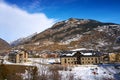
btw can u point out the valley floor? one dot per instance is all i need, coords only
(94, 72)
(78, 72)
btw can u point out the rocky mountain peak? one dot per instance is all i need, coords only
(76, 33)
(81, 21)
(73, 22)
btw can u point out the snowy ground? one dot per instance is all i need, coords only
(94, 72)
(44, 60)
(80, 72)
(86, 72)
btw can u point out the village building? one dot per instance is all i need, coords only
(49, 55)
(84, 57)
(18, 56)
(105, 58)
(3, 57)
(1, 61)
(114, 57)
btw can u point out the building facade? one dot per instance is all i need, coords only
(18, 56)
(69, 60)
(114, 57)
(84, 58)
(90, 60)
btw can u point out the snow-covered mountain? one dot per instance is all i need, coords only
(20, 41)
(77, 33)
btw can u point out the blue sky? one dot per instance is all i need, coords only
(104, 10)
(51, 11)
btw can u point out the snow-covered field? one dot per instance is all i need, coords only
(94, 72)
(85, 72)
(79, 72)
(44, 60)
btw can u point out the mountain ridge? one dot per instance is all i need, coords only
(4, 46)
(76, 33)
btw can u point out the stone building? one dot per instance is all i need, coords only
(18, 56)
(114, 57)
(84, 58)
(68, 60)
(90, 60)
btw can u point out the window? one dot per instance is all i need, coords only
(24, 55)
(82, 62)
(95, 60)
(65, 61)
(91, 58)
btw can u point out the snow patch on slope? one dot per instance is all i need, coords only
(77, 37)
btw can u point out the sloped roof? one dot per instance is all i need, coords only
(82, 53)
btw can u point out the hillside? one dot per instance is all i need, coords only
(76, 33)
(22, 40)
(4, 45)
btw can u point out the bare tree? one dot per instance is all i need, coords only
(54, 73)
